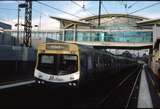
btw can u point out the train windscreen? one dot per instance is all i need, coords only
(58, 64)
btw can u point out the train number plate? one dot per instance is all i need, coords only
(51, 77)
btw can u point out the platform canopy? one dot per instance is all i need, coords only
(118, 45)
(67, 23)
(150, 22)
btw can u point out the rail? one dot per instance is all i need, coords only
(133, 88)
(115, 90)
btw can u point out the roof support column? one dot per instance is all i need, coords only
(154, 34)
(75, 32)
(63, 35)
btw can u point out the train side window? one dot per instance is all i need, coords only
(104, 59)
(90, 66)
(47, 59)
(101, 61)
(112, 60)
(96, 60)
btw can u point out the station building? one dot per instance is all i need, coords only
(4, 25)
(115, 21)
(5, 39)
(130, 22)
(110, 22)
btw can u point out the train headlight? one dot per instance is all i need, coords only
(42, 82)
(39, 82)
(74, 84)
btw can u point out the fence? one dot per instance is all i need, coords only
(9, 37)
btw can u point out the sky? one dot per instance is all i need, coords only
(41, 13)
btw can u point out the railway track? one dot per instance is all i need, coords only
(122, 95)
(125, 93)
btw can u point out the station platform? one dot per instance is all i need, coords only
(149, 91)
(17, 83)
(15, 79)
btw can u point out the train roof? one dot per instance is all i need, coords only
(91, 48)
(70, 43)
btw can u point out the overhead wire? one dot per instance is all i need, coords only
(138, 9)
(8, 9)
(125, 5)
(41, 12)
(105, 8)
(126, 10)
(58, 9)
(38, 11)
(142, 9)
(82, 7)
(130, 6)
(33, 10)
(122, 3)
(145, 8)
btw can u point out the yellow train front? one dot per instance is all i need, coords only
(76, 65)
(57, 63)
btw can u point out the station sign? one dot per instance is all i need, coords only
(56, 47)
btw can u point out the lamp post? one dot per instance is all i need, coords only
(18, 26)
(23, 5)
(99, 14)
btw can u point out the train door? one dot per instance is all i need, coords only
(83, 68)
(112, 65)
(109, 63)
(96, 64)
(90, 66)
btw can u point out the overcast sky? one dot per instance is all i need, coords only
(8, 11)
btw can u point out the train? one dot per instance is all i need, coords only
(77, 65)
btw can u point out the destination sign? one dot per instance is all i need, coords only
(56, 47)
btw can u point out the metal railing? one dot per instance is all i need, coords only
(79, 35)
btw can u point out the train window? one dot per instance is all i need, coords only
(101, 59)
(96, 60)
(47, 59)
(68, 57)
(46, 63)
(106, 60)
(58, 64)
(68, 63)
(90, 66)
